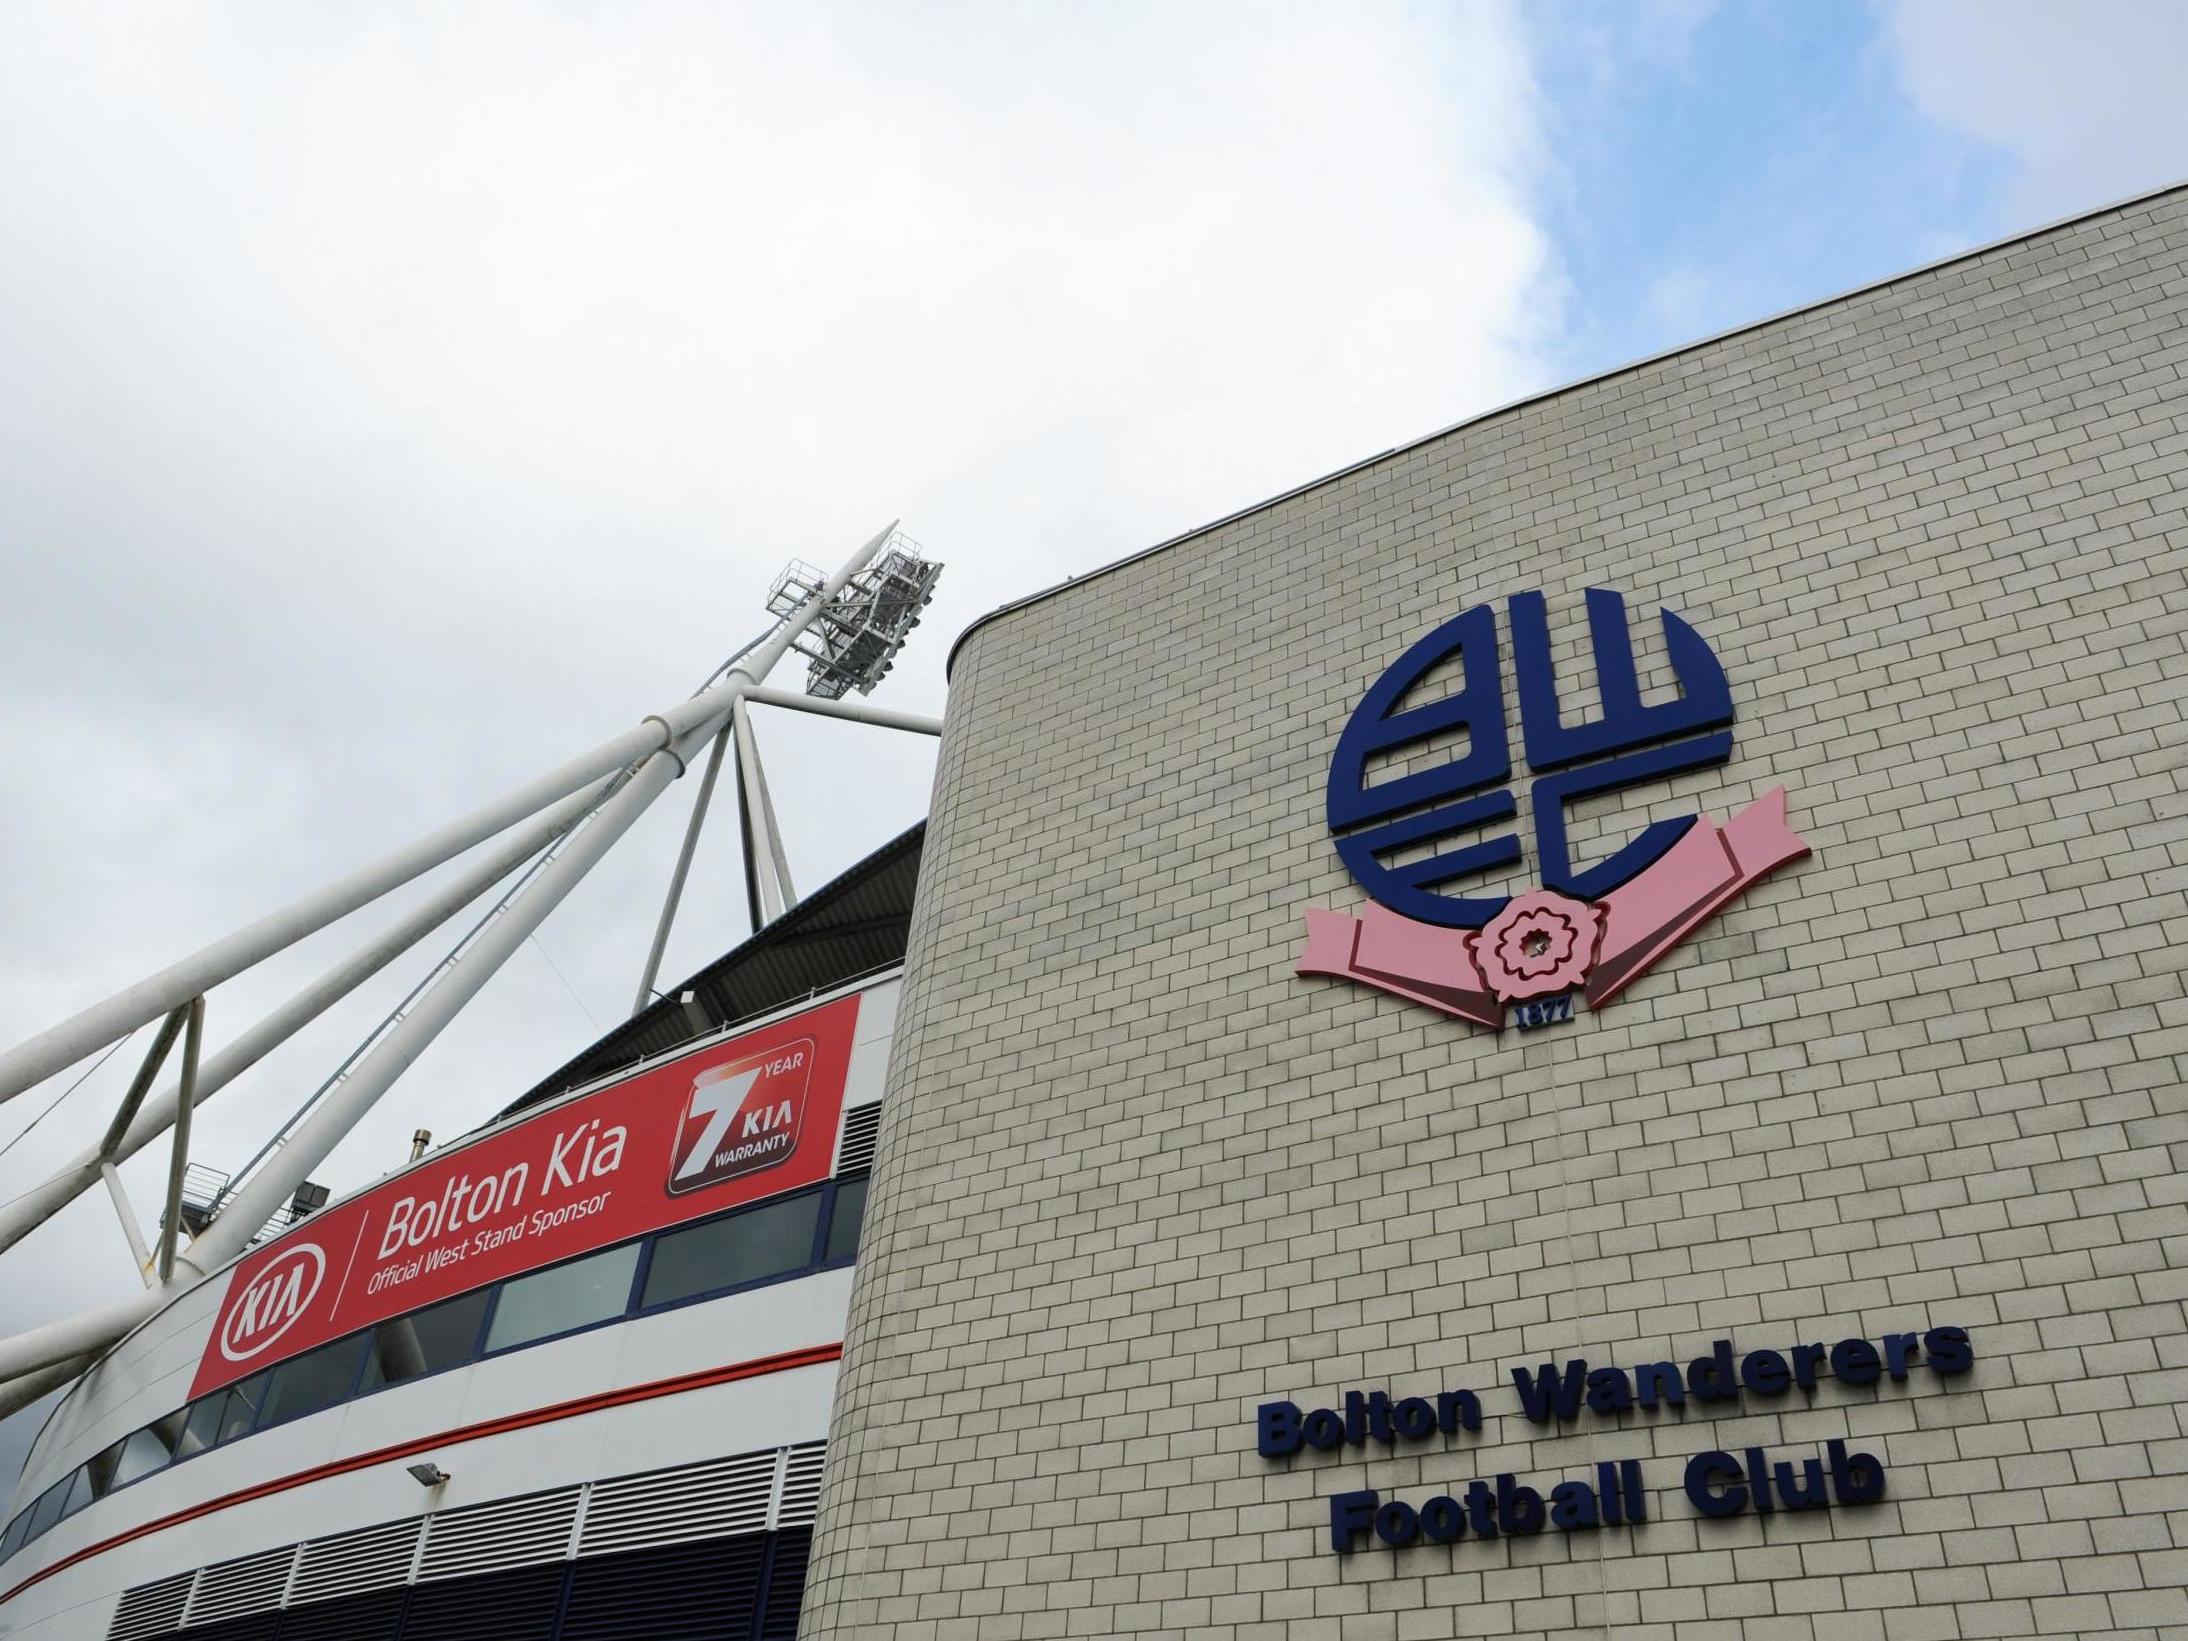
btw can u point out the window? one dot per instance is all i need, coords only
(47, 1510)
(591, 1289)
(432, 1339)
(766, 1242)
(201, 1425)
(144, 1451)
(241, 1411)
(844, 1220)
(101, 1468)
(317, 1379)
(79, 1491)
(744, 1247)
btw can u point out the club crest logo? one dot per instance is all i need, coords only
(1419, 836)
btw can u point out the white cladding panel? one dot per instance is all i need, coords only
(737, 1417)
(149, 1375)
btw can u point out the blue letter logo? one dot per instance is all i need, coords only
(1628, 744)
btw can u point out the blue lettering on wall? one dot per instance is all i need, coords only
(1718, 1483)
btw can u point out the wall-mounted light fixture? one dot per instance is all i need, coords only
(427, 1475)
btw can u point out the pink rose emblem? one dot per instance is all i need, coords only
(1540, 943)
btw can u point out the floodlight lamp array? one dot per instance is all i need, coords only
(852, 644)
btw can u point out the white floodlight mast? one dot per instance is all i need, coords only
(35, 1206)
(30, 1063)
(661, 747)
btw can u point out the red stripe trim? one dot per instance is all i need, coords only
(810, 1356)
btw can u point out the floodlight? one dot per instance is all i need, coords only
(853, 642)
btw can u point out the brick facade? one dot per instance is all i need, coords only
(1138, 1177)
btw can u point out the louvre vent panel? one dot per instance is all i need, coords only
(801, 1485)
(506, 1533)
(376, 1616)
(684, 1592)
(745, 1588)
(514, 1606)
(252, 1584)
(861, 1126)
(671, 1555)
(670, 1506)
(265, 1626)
(371, 1558)
(786, 1585)
(151, 1609)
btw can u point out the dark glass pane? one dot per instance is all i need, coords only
(201, 1424)
(742, 1248)
(17, 1530)
(318, 1378)
(47, 1510)
(843, 1223)
(242, 1409)
(79, 1491)
(147, 1450)
(431, 1340)
(569, 1296)
(101, 1469)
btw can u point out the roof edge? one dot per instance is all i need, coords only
(2019, 236)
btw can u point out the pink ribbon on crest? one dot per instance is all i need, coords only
(1642, 920)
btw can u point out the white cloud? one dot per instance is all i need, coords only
(2085, 98)
(395, 399)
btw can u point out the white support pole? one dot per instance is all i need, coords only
(255, 1203)
(669, 902)
(128, 1216)
(248, 1211)
(748, 850)
(773, 867)
(32, 1061)
(856, 712)
(263, 1194)
(154, 1058)
(186, 1099)
(85, 1333)
(17, 1394)
(32, 1209)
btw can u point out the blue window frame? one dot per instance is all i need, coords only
(440, 1336)
(578, 1293)
(752, 1246)
(719, 1255)
(312, 1382)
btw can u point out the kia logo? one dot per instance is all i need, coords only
(270, 1304)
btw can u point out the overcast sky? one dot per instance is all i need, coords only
(395, 400)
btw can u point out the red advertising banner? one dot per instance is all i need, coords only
(729, 1124)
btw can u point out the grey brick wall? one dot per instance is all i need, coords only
(1138, 1177)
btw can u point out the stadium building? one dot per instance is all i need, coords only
(1576, 1028)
